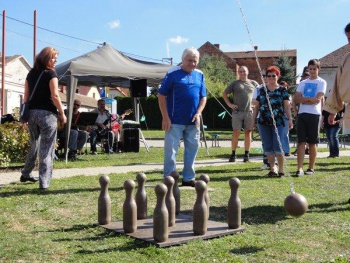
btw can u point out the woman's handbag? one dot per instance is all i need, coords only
(24, 108)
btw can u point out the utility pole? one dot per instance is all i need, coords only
(3, 63)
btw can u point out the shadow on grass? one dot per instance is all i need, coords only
(263, 214)
(329, 207)
(246, 250)
(25, 191)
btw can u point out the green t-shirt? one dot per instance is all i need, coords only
(242, 92)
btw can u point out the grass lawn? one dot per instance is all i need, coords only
(58, 225)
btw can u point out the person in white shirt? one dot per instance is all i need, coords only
(309, 95)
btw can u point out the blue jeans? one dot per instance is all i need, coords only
(190, 135)
(332, 134)
(269, 139)
(285, 137)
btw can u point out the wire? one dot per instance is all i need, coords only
(267, 97)
(76, 38)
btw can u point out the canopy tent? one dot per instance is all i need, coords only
(105, 66)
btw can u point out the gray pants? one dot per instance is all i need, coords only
(42, 127)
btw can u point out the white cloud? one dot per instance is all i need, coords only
(178, 40)
(114, 24)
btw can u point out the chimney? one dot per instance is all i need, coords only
(217, 45)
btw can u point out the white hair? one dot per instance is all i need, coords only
(190, 51)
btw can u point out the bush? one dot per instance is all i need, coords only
(14, 143)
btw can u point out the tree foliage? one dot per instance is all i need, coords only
(217, 75)
(286, 68)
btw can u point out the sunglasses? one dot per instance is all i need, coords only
(271, 76)
(75, 104)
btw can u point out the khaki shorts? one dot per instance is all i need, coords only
(242, 119)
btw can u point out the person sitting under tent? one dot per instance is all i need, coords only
(101, 129)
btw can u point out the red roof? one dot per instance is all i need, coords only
(333, 59)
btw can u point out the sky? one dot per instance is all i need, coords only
(157, 30)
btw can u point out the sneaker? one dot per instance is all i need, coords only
(271, 174)
(310, 171)
(29, 179)
(189, 183)
(281, 175)
(246, 159)
(94, 153)
(232, 158)
(299, 173)
(265, 167)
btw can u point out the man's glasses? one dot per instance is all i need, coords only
(271, 76)
(75, 104)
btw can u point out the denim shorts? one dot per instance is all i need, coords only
(270, 141)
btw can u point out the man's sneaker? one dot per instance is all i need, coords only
(299, 173)
(265, 167)
(246, 159)
(310, 171)
(271, 174)
(232, 158)
(189, 183)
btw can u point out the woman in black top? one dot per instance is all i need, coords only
(45, 107)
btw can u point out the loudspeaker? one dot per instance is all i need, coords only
(130, 140)
(138, 88)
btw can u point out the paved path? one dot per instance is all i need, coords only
(9, 177)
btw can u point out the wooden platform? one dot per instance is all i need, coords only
(179, 234)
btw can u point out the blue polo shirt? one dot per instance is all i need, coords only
(183, 93)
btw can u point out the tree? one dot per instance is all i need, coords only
(217, 75)
(286, 68)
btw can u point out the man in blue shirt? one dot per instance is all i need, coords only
(182, 98)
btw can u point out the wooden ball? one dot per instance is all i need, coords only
(295, 205)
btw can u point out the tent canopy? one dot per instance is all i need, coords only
(105, 66)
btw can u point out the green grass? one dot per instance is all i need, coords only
(58, 226)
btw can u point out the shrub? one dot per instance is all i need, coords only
(14, 142)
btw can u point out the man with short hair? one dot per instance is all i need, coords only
(101, 128)
(242, 91)
(182, 98)
(309, 95)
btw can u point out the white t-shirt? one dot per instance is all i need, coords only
(310, 88)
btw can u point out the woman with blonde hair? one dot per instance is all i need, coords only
(45, 107)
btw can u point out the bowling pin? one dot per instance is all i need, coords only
(176, 191)
(141, 196)
(160, 215)
(234, 205)
(206, 179)
(200, 211)
(129, 208)
(169, 199)
(104, 202)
